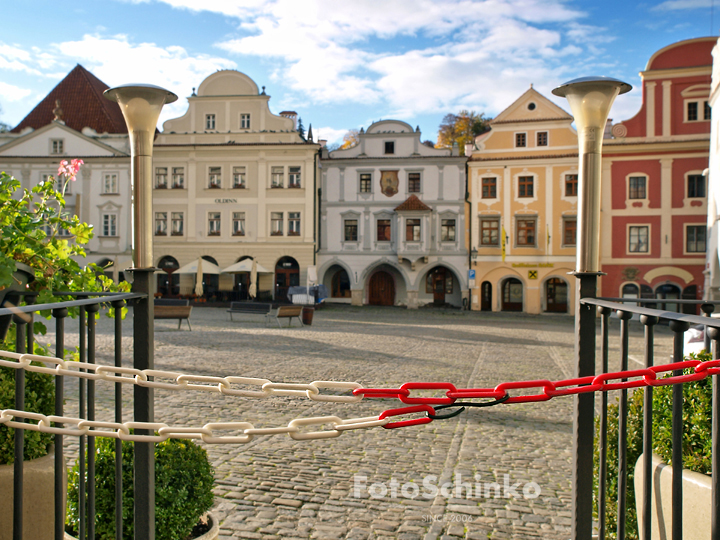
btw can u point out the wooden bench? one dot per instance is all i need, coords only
(252, 308)
(167, 308)
(287, 312)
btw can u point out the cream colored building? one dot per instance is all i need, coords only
(233, 181)
(523, 192)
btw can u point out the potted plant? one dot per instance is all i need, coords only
(183, 491)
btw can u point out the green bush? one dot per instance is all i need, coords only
(39, 398)
(697, 441)
(183, 489)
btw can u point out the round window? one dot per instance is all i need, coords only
(531, 106)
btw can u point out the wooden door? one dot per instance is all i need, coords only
(438, 286)
(556, 295)
(486, 296)
(382, 289)
(512, 299)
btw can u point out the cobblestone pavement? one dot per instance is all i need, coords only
(275, 487)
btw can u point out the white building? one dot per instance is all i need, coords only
(75, 121)
(233, 181)
(712, 264)
(392, 221)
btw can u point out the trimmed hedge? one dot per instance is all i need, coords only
(183, 489)
(697, 441)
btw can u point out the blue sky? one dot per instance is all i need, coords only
(344, 64)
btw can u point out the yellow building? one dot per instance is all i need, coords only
(523, 213)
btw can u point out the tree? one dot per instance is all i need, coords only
(350, 139)
(461, 128)
(301, 128)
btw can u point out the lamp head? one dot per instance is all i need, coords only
(140, 105)
(590, 100)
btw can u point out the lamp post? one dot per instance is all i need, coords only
(141, 105)
(590, 99)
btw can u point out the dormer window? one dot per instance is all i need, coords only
(209, 122)
(389, 147)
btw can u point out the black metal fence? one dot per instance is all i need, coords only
(678, 323)
(87, 305)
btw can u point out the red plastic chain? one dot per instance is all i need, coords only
(636, 378)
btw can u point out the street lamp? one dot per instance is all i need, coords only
(141, 105)
(590, 99)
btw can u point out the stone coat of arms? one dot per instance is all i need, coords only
(389, 183)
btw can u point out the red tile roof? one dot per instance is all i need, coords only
(82, 103)
(413, 203)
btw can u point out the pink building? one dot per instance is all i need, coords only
(654, 190)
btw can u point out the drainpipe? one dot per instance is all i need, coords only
(469, 203)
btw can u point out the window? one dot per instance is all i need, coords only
(109, 225)
(389, 147)
(637, 187)
(542, 138)
(383, 230)
(276, 224)
(571, 185)
(209, 121)
(110, 183)
(520, 140)
(293, 223)
(447, 230)
(525, 186)
(351, 230)
(693, 112)
(489, 188)
(57, 146)
(214, 177)
(526, 232)
(239, 178)
(570, 232)
(414, 182)
(638, 239)
(489, 232)
(160, 223)
(365, 183)
(276, 177)
(696, 186)
(214, 224)
(177, 219)
(161, 176)
(244, 121)
(238, 224)
(294, 177)
(178, 178)
(412, 230)
(695, 238)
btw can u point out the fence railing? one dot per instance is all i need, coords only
(87, 304)
(679, 324)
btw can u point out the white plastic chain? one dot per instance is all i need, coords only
(206, 433)
(180, 381)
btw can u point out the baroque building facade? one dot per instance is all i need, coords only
(75, 121)
(523, 209)
(233, 181)
(392, 221)
(654, 197)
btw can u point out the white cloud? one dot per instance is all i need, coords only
(332, 135)
(116, 60)
(672, 5)
(9, 92)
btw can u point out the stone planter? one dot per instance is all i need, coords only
(212, 534)
(38, 499)
(697, 498)
(24, 274)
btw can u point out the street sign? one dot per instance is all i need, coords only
(471, 274)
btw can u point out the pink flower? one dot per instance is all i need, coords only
(71, 169)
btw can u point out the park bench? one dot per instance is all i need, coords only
(287, 312)
(167, 308)
(252, 308)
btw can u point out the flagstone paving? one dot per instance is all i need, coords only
(369, 483)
